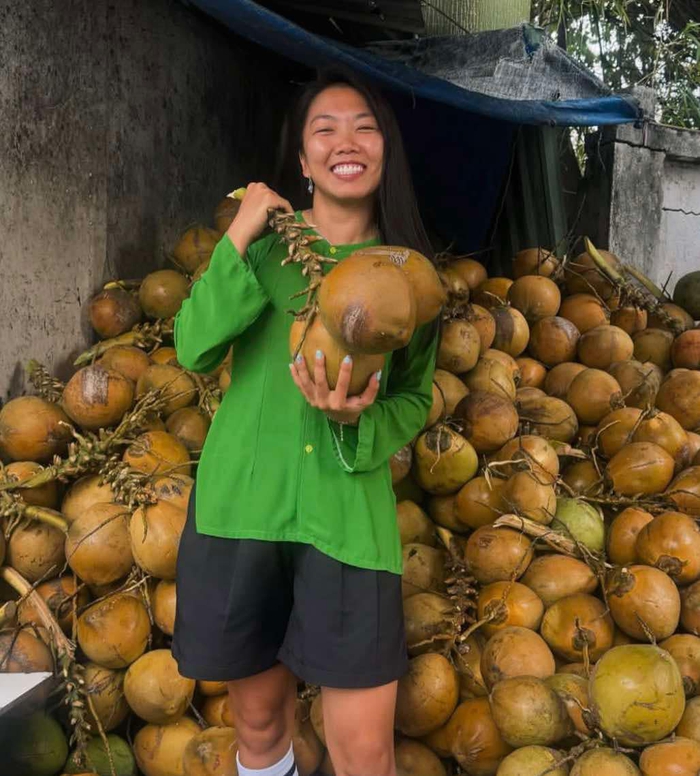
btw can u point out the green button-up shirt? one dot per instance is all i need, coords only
(273, 467)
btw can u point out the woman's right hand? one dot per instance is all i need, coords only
(253, 214)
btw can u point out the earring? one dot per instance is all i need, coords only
(311, 186)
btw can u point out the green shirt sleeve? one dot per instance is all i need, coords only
(222, 304)
(397, 416)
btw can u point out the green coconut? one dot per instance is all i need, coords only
(33, 746)
(581, 521)
(686, 294)
(96, 758)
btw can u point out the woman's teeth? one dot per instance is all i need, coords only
(348, 169)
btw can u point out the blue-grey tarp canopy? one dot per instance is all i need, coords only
(455, 99)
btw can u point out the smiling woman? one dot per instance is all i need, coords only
(290, 562)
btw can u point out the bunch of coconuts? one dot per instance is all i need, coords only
(547, 511)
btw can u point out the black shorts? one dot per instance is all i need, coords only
(244, 605)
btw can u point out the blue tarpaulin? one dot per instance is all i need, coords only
(459, 140)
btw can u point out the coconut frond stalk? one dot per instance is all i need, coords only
(209, 393)
(47, 386)
(130, 487)
(461, 585)
(125, 284)
(91, 450)
(143, 335)
(15, 509)
(298, 252)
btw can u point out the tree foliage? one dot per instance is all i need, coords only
(628, 43)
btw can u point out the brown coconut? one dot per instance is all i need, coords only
(62, 595)
(157, 452)
(640, 468)
(155, 690)
(492, 377)
(83, 494)
(105, 688)
(497, 554)
(443, 460)
(155, 532)
(560, 377)
(423, 570)
(97, 397)
(211, 752)
(679, 395)
(175, 489)
(553, 340)
(578, 626)
(163, 601)
(684, 648)
(532, 373)
(530, 496)
(582, 477)
(630, 319)
(602, 346)
(493, 292)
(684, 491)
(42, 496)
(638, 382)
(534, 261)
(190, 426)
(22, 653)
(593, 394)
(622, 535)
(584, 277)
(414, 525)
(671, 542)
(460, 346)
(451, 388)
(615, 430)
(194, 246)
(685, 351)
(515, 651)
(416, 759)
(429, 622)
(535, 296)
(35, 550)
(509, 604)
(531, 454)
(127, 360)
(162, 293)
(178, 388)
(573, 691)
(512, 331)
(683, 319)
(159, 749)
(548, 417)
(585, 311)
(680, 757)
(480, 501)
(427, 695)
(33, 429)
(113, 312)
(489, 420)
(554, 577)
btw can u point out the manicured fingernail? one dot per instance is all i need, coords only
(300, 358)
(319, 354)
(347, 360)
(379, 376)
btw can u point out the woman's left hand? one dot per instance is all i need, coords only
(336, 403)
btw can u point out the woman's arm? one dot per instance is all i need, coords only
(395, 418)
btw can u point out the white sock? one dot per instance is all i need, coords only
(285, 767)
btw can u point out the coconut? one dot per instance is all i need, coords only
(194, 246)
(460, 346)
(509, 604)
(616, 428)
(535, 296)
(493, 292)
(644, 602)
(163, 602)
(442, 511)
(62, 596)
(96, 397)
(480, 501)
(623, 533)
(454, 284)
(534, 261)
(35, 550)
(437, 408)
(560, 377)
(681, 318)
(531, 454)
(165, 355)
(685, 351)
(639, 382)
(33, 429)
(512, 331)
(105, 689)
(578, 627)
(33, 746)
(593, 394)
(492, 377)
(400, 463)
(162, 292)
(679, 395)
(653, 346)
(367, 304)
(680, 756)
(467, 660)
(451, 388)
(582, 478)
(528, 496)
(216, 711)
(177, 387)
(585, 311)
(127, 360)
(189, 425)
(640, 468)
(308, 749)
(429, 622)
(553, 577)
(113, 312)
(408, 488)
(532, 373)
(23, 653)
(157, 452)
(470, 270)
(533, 761)
(416, 759)
(508, 361)
(427, 695)
(489, 420)
(548, 417)
(443, 460)
(689, 726)
(83, 494)
(319, 339)
(581, 521)
(210, 689)
(686, 294)
(602, 346)
(175, 489)
(155, 537)
(684, 648)
(604, 762)
(527, 712)
(573, 691)
(423, 569)
(155, 690)
(97, 547)
(114, 631)
(584, 277)
(116, 758)
(684, 491)
(553, 340)
(482, 320)
(515, 651)
(415, 527)
(497, 554)
(42, 496)
(671, 542)
(690, 608)
(472, 738)
(160, 749)
(211, 752)
(630, 319)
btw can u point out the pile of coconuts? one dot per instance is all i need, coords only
(547, 513)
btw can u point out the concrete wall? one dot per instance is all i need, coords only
(120, 124)
(643, 199)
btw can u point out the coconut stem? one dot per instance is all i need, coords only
(48, 387)
(8, 612)
(650, 286)
(12, 506)
(539, 531)
(610, 272)
(143, 335)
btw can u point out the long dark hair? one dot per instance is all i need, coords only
(398, 218)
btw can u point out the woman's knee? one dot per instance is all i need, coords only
(363, 758)
(261, 728)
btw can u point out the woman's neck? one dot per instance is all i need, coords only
(340, 223)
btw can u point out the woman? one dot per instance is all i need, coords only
(291, 567)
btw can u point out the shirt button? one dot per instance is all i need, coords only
(309, 448)
(333, 249)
